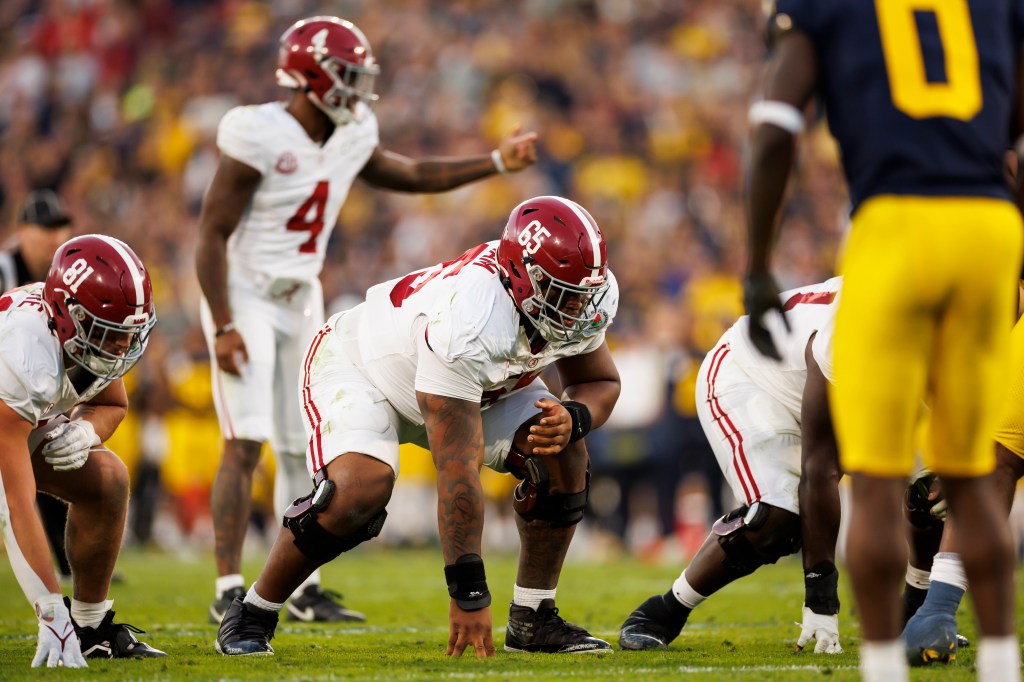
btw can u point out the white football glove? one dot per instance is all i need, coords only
(823, 628)
(57, 643)
(67, 446)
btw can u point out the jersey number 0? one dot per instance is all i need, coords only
(959, 96)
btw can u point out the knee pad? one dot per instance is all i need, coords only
(536, 502)
(922, 510)
(742, 554)
(314, 540)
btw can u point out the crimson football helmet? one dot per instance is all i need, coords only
(330, 59)
(555, 263)
(100, 301)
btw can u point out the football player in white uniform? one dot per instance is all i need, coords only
(64, 346)
(43, 227)
(449, 357)
(753, 410)
(284, 173)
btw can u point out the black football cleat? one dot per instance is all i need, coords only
(113, 640)
(246, 630)
(317, 605)
(220, 606)
(652, 625)
(544, 631)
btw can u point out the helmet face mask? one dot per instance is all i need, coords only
(330, 59)
(554, 260)
(106, 349)
(100, 301)
(565, 312)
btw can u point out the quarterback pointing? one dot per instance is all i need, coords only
(64, 346)
(449, 357)
(285, 171)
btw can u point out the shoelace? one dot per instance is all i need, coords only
(250, 627)
(331, 595)
(108, 624)
(550, 621)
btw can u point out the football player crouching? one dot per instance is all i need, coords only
(450, 358)
(65, 345)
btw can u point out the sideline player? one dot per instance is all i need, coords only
(450, 358)
(65, 344)
(42, 228)
(753, 409)
(284, 173)
(922, 117)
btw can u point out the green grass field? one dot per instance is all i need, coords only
(746, 632)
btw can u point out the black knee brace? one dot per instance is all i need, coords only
(534, 502)
(741, 554)
(311, 538)
(532, 498)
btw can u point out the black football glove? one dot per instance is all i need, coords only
(761, 295)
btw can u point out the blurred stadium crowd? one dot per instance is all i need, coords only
(641, 108)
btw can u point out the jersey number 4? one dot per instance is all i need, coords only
(310, 217)
(959, 96)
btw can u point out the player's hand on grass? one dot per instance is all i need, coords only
(469, 630)
(822, 628)
(551, 434)
(760, 296)
(57, 643)
(231, 353)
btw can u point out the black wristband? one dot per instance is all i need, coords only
(580, 415)
(821, 588)
(467, 583)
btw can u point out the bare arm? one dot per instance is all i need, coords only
(819, 469)
(790, 79)
(388, 170)
(456, 435)
(105, 411)
(22, 530)
(230, 192)
(593, 380)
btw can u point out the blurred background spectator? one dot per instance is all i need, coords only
(641, 106)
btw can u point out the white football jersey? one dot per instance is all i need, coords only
(33, 380)
(453, 330)
(808, 309)
(284, 231)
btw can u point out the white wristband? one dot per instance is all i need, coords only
(499, 163)
(779, 114)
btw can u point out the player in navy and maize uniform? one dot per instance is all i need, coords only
(922, 98)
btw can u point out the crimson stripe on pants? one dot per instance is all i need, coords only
(312, 413)
(732, 434)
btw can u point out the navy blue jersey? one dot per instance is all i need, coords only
(918, 93)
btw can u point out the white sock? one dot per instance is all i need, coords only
(999, 659)
(686, 595)
(89, 615)
(526, 596)
(918, 577)
(227, 582)
(313, 579)
(256, 600)
(946, 568)
(883, 661)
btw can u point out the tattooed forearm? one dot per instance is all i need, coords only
(455, 434)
